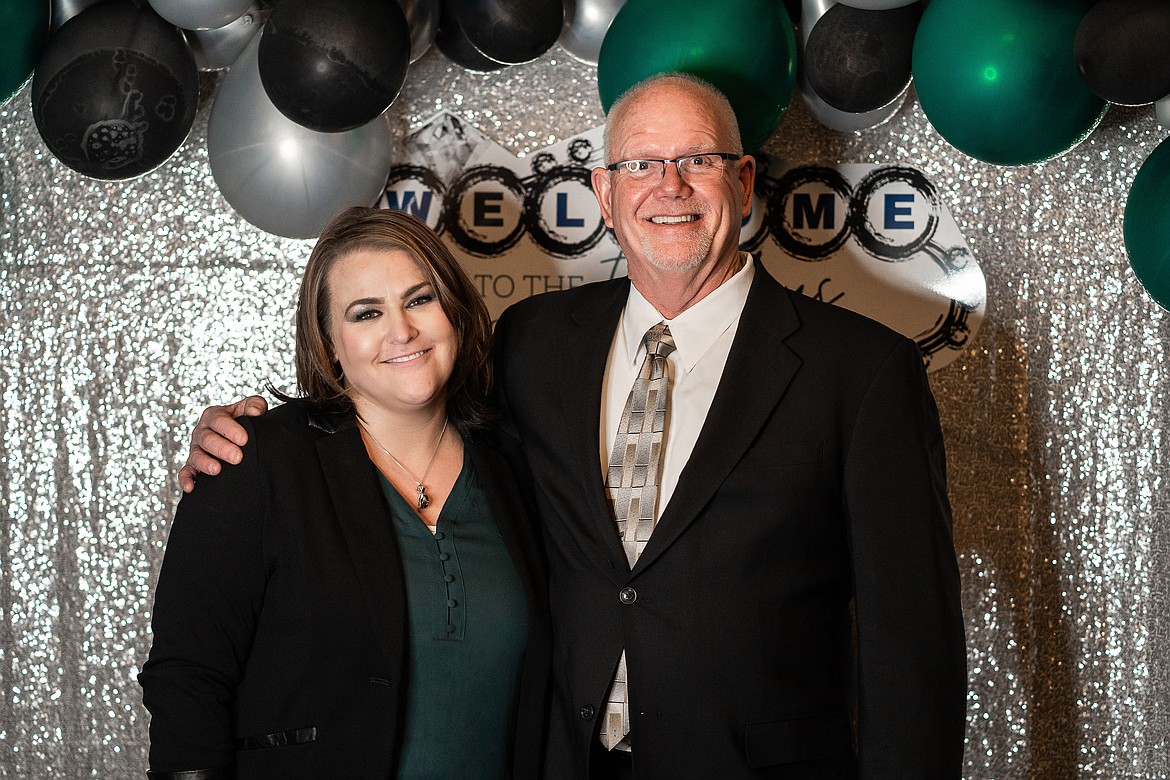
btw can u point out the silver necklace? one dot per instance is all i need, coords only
(423, 499)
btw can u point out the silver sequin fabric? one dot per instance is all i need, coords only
(128, 306)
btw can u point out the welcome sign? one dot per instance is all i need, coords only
(872, 238)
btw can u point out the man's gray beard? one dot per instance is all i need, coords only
(676, 262)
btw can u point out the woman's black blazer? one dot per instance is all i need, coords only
(280, 612)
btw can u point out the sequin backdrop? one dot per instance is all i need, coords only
(129, 306)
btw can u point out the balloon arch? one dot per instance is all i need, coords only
(1007, 82)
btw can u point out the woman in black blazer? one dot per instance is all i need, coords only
(363, 596)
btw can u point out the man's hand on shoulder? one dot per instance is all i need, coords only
(218, 437)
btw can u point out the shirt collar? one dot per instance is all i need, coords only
(695, 329)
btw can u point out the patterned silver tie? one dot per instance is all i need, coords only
(632, 482)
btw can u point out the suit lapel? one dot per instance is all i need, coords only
(758, 371)
(586, 352)
(365, 522)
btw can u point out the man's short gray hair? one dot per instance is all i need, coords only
(718, 99)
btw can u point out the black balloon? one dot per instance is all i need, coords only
(859, 60)
(794, 10)
(116, 90)
(453, 43)
(1122, 49)
(334, 65)
(510, 31)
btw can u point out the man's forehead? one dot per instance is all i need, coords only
(665, 139)
(664, 151)
(668, 134)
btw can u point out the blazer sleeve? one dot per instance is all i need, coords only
(500, 346)
(912, 674)
(209, 594)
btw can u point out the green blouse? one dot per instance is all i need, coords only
(467, 628)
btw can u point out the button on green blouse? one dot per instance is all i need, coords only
(467, 628)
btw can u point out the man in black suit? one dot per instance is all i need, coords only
(790, 609)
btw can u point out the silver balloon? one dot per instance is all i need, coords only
(422, 17)
(62, 11)
(834, 118)
(877, 5)
(586, 22)
(845, 121)
(1162, 111)
(219, 48)
(281, 177)
(811, 12)
(200, 14)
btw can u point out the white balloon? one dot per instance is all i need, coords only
(200, 14)
(586, 22)
(280, 176)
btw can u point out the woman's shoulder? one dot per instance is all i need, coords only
(289, 415)
(295, 420)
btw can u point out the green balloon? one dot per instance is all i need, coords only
(998, 78)
(1147, 225)
(746, 48)
(26, 27)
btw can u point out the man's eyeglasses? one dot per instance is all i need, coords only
(692, 167)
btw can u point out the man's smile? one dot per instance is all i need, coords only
(674, 219)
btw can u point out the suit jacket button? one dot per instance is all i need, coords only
(587, 712)
(628, 595)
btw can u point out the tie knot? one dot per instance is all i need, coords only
(658, 340)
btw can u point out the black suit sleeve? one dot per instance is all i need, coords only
(207, 603)
(911, 649)
(499, 368)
